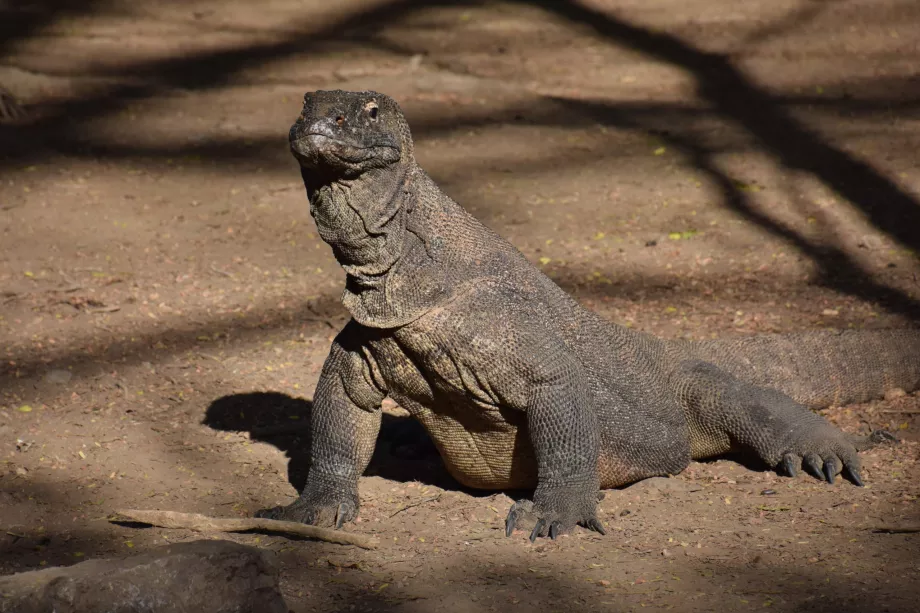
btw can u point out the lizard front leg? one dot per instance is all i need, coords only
(345, 421)
(564, 434)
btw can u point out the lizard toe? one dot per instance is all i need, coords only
(291, 512)
(538, 529)
(852, 473)
(823, 453)
(813, 464)
(831, 468)
(304, 512)
(555, 516)
(519, 510)
(791, 463)
(595, 525)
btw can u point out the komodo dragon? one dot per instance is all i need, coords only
(518, 385)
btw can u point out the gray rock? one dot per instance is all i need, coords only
(58, 376)
(200, 576)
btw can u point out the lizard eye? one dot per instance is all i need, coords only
(373, 113)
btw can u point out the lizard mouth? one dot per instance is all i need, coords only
(319, 138)
(313, 149)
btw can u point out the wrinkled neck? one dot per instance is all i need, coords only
(363, 219)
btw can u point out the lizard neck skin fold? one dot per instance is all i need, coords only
(372, 224)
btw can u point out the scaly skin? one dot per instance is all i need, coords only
(517, 384)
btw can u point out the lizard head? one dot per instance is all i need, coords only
(342, 134)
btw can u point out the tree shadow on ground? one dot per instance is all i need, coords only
(730, 93)
(61, 127)
(738, 98)
(837, 269)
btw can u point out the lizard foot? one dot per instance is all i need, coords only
(322, 508)
(824, 452)
(550, 521)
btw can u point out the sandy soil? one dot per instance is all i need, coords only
(691, 168)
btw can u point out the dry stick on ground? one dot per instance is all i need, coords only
(897, 529)
(203, 523)
(901, 411)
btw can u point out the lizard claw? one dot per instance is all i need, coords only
(538, 529)
(596, 525)
(853, 473)
(341, 513)
(548, 522)
(510, 522)
(831, 468)
(518, 510)
(812, 463)
(789, 462)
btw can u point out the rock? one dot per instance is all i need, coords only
(58, 376)
(200, 576)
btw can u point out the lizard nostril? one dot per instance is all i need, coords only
(339, 120)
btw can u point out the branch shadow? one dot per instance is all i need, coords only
(57, 126)
(838, 270)
(737, 98)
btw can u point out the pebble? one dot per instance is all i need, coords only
(58, 376)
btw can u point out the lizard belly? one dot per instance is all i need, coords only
(482, 448)
(483, 445)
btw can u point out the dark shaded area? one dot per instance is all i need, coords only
(24, 543)
(22, 20)
(404, 451)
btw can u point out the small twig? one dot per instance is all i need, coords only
(104, 309)
(67, 278)
(222, 272)
(901, 411)
(202, 523)
(415, 504)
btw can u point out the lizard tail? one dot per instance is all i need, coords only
(822, 368)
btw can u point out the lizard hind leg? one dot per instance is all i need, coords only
(726, 414)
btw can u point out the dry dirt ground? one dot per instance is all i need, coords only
(687, 167)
